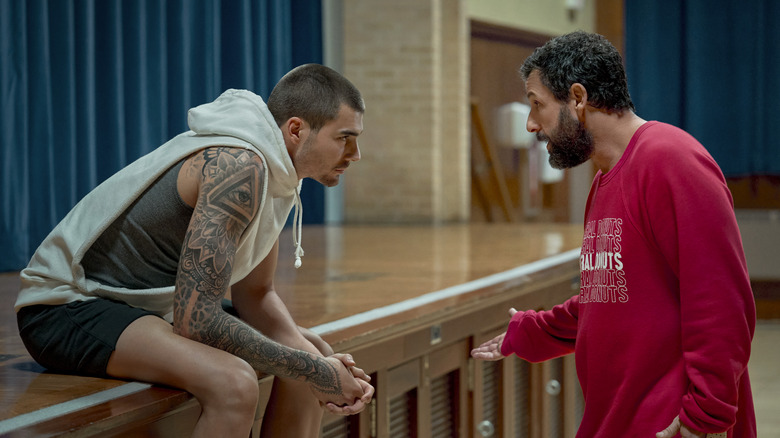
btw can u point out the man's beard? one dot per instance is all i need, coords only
(570, 144)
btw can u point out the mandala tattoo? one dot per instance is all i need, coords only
(229, 197)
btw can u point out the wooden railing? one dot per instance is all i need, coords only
(428, 386)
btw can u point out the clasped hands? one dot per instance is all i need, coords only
(356, 392)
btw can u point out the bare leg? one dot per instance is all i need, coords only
(292, 404)
(292, 411)
(225, 385)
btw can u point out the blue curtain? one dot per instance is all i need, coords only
(711, 68)
(88, 86)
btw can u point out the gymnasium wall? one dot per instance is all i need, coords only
(410, 58)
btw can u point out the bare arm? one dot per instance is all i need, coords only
(257, 303)
(228, 198)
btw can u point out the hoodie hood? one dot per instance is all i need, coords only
(244, 115)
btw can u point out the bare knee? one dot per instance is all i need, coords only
(232, 389)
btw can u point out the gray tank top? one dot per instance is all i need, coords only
(141, 248)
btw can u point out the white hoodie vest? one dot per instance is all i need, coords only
(237, 118)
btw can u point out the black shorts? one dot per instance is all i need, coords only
(78, 337)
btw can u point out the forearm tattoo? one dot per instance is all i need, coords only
(228, 200)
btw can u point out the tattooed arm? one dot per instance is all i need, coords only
(228, 197)
(257, 303)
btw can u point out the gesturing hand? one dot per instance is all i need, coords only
(491, 350)
(677, 426)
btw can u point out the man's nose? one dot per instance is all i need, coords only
(354, 155)
(531, 125)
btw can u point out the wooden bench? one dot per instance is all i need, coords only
(407, 302)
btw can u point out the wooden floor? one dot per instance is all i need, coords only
(355, 283)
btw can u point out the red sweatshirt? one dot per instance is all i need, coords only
(665, 315)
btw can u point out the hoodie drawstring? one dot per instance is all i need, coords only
(297, 228)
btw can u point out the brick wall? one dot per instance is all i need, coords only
(409, 59)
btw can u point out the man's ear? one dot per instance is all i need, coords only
(293, 129)
(579, 95)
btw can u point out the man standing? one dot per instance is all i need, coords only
(131, 283)
(662, 326)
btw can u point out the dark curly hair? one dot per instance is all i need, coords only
(585, 58)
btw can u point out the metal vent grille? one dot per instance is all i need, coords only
(444, 412)
(337, 429)
(491, 387)
(403, 415)
(522, 395)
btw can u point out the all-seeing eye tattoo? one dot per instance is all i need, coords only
(228, 200)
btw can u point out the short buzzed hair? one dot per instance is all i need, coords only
(314, 93)
(585, 58)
